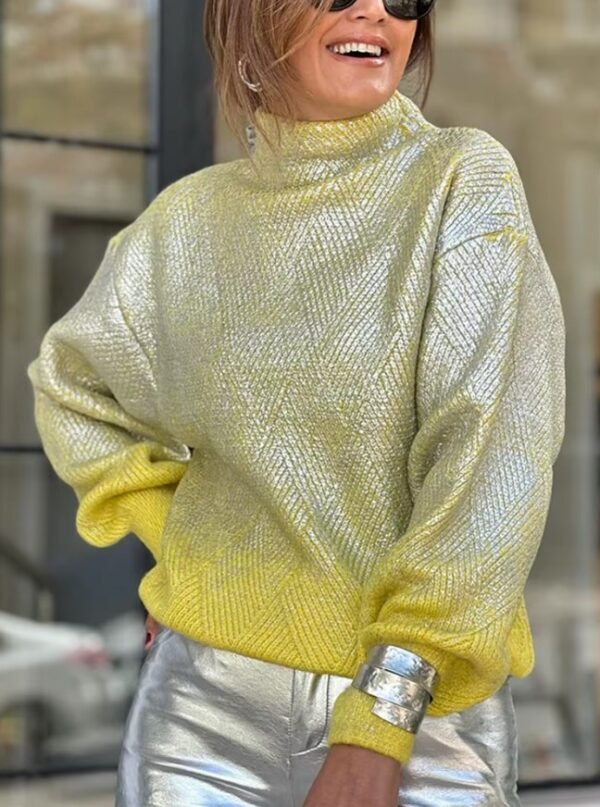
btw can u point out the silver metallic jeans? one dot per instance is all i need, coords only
(212, 728)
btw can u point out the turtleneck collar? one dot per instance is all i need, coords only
(312, 150)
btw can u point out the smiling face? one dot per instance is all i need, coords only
(332, 85)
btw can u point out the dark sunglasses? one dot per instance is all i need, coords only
(402, 9)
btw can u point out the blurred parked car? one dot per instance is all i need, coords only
(124, 638)
(60, 694)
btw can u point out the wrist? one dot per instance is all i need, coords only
(364, 763)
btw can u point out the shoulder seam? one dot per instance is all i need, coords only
(499, 231)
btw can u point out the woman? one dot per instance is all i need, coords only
(324, 384)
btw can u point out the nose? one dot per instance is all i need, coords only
(371, 9)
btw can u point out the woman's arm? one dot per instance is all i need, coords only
(490, 398)
(95, 408)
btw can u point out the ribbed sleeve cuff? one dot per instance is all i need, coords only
(352, 722)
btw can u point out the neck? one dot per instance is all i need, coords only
(314, 150)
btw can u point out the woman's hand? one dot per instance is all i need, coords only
(152, 628)
(352, 776)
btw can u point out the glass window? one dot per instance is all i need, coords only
(76, 67)
(60, 206)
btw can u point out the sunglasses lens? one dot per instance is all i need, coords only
(409, 9)
(403, 9)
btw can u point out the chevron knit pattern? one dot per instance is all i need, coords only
(325, 387)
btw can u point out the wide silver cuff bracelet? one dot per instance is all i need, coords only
(389, 686)
(397, 700)
(403, 718)
(406, 664)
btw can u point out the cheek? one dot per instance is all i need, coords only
(306, 59)
(403, 49)
(306, 62)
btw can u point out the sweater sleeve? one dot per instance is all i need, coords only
(95, 409)
(490, 401)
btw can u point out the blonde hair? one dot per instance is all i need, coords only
(267, 33)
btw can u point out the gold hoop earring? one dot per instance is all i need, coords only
(242, 71)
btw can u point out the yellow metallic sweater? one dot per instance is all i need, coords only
(327, 395)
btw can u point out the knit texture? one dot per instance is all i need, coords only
(327, 394)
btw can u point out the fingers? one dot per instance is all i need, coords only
(152, 628)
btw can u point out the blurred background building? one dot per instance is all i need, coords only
(105, 102)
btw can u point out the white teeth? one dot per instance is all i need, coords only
(361, 47)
